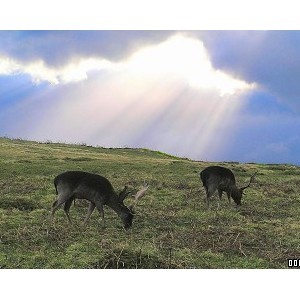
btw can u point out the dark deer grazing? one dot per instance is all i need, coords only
(222, 179)
(95, 188)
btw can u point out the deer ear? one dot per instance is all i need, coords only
(131, 208)
(123, 194)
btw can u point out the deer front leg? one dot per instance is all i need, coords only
(90, 211)
(101, 212)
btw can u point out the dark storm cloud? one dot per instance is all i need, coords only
(270, 58)
(58, 47)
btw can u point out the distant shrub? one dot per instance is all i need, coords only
(291, 172)
(278, 167)
(81, 158)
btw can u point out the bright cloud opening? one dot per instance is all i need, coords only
(186, 58)
(178, 57)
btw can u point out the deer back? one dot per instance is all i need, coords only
(219, 177)
(84, 185)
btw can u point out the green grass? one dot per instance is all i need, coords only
(172, 227)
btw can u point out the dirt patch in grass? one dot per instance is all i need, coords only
(22, 204)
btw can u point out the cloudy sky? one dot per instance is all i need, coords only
(205, 95)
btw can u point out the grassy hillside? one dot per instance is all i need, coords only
(172, 227)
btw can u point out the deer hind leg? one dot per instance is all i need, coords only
(220, 192)
(208, 195)
(228, 196)
(209, 192)
(90, 211)
(206, 198)
(61, 199)
(206, 191)
(67, 208)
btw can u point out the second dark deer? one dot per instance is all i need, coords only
(222, 179)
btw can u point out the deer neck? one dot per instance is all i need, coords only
(118, 207)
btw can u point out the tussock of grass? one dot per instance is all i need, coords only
(172, 227)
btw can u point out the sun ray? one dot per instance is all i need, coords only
(166, 97)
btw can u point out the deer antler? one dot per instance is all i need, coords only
(141, 193)
(251, 181)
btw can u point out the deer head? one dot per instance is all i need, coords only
(238, 193)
